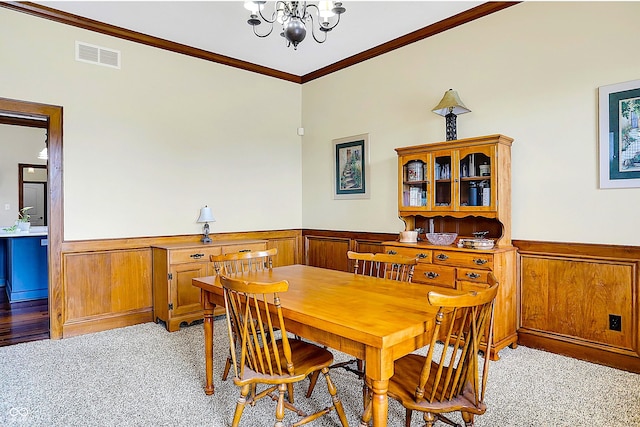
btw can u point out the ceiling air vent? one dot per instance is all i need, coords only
(97, 55)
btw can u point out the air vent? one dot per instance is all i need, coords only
(97, 55)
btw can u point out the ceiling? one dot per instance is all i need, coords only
(221, 27)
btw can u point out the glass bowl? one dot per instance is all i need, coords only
(476, 243)
(441, 239)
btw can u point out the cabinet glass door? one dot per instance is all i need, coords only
(476, 178)
(443, 172)
(414, 192)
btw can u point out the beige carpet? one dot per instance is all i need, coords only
(145, 376)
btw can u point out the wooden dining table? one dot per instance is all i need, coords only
(376, 320)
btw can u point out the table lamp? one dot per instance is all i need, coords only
(449, 106)
(206, 217)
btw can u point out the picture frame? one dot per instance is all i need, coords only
(351, 167)
(619, 135)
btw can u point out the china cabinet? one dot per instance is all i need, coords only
(464, 187)
(458, 180)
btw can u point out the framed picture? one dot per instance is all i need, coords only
(619, 108)
(351, 167)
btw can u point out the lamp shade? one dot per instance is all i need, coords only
(206, 215)
(450, 103)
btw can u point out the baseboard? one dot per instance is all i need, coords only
(614, 358)
(105, 322)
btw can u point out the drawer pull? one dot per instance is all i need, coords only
(196, 256)
(431, 275)
(421, 256)
(480, 261)
(392, 252)
(472, 275)
(244, 250)
(443, 257)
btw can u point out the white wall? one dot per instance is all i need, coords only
(18, 144)
(147, 145)
(531, 72)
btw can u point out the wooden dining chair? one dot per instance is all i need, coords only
(245, 261)
(254, 315)
(241, 262)
(388, 266)
(449, 382)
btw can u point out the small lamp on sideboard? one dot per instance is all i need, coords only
(206, 217)
(449, 106)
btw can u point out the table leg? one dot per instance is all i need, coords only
(208, 344)
(380, 402)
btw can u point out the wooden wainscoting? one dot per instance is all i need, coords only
(573, 297)
(567, 291)
(328, 249)
(108, 283)
(106, 289)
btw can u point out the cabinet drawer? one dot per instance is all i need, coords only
(423, 255)
(178, 256)
(435, 275)
(246, 247)
(471, 286)
(478, 260)
(476, 276)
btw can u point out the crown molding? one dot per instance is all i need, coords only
(423, 33)
(114, 31)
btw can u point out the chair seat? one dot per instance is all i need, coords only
(306, 358)
(402, 388)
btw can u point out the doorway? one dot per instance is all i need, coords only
(32, 192)
(49, 117)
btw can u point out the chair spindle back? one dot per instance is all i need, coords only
(244, 262)
(253, 316)
(467, 320)
(394, 267)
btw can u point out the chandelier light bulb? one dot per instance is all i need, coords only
(253, 7)
(325, 9)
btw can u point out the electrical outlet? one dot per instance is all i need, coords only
(7, 206)
(615, 322)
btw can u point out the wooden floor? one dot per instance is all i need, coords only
(23, 321)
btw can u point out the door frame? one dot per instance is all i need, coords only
(55, 208)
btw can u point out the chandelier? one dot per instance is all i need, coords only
(293, 16)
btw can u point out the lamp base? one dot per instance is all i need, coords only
(451, 127)
(205, 233)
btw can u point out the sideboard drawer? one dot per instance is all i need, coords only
(435, 275)
(472, 286)
(468, 275)
(476, 260)
(247, 247)
(179, 256)
(422, 255)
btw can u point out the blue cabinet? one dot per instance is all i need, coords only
(27, 268)
(3, 263)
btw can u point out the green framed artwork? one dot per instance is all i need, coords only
(619, 108)
(351, 167)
